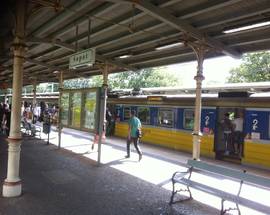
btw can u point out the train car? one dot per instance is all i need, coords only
(168, 120)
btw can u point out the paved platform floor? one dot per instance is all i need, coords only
(68, 181)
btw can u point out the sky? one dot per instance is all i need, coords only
(215, 70)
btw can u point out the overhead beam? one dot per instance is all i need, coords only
(73, 48)
(104, 28)
(186, 14)
(207, 7)
(76, 6)
(184, 26)
(153, 26)
(43, 64)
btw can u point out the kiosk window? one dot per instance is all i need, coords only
(144, 115)
(126, 113)
(165, 117)
(188, 119)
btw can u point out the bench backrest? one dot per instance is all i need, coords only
(232, 173)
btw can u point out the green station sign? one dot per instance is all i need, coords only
(83, 58)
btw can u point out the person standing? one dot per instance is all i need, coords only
(36, 113)
(238, 134)
(134, 132)
(2, 111)
(227, 127)
(7, 118)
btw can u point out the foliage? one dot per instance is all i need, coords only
(140, 79)
(76, 83)
(95, 81)
(46, 87)
(255, 68)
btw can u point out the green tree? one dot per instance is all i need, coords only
(142, 79)
(255, 68)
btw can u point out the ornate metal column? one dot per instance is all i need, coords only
(200, 53)
(60, 109)
(34, 92)
(12, 185)
(5, 98)
(34, 102)
(103, 104)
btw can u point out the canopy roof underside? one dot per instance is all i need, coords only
(132, 28)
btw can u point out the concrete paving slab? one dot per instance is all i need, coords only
(68, 181)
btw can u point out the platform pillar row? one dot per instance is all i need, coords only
(12, 185)
(200, 53)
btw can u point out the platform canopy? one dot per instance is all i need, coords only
(129, 35)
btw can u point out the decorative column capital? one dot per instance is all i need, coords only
(105, 86)
(199, 77)
(19, 47)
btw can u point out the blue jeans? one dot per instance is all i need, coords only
(136, 144)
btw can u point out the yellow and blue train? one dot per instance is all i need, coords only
(168, 120)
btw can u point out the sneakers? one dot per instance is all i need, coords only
(128, 156)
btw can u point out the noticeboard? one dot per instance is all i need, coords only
(79, 108)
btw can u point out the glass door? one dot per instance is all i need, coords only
(76, 99)
(89, 110)
(65, 109)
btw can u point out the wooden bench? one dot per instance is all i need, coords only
(30, 129)
(184, 178)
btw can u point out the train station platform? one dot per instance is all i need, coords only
(68, 180)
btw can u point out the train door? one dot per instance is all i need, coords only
(224, 137)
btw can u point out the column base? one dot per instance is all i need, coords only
(12, 189)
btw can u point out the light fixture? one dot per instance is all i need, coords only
(169, 46)
(247, 27)
(125, 56)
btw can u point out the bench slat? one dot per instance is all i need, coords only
(234, 174)
(227, 196)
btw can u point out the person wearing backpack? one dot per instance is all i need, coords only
(134, 133)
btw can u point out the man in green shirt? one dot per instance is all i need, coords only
(134, 129)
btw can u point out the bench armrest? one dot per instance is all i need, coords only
(180, 174)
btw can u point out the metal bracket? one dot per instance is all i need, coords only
(175, 191)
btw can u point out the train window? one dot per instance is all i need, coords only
(165, 117)
(127, 113)
(188, 119)
(144, 115)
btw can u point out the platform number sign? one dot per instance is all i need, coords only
(257, 124)
(208, 121)
(207, 118)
